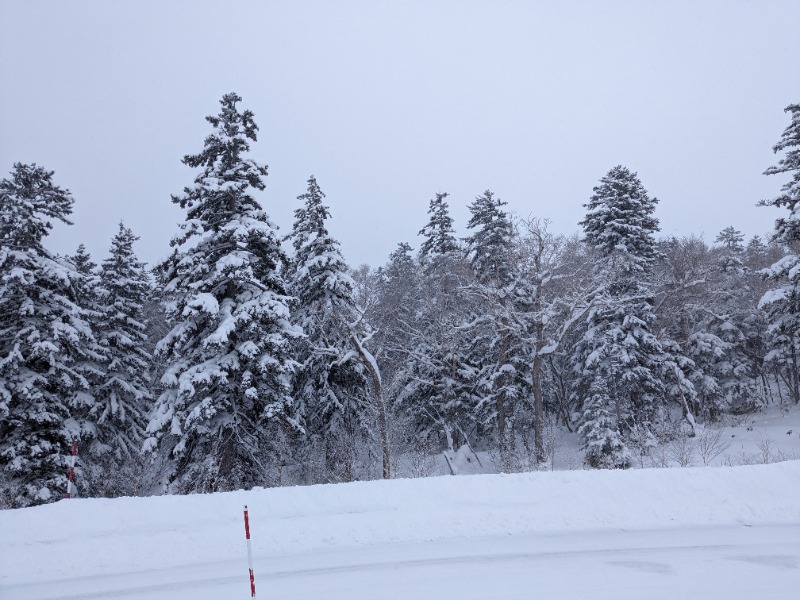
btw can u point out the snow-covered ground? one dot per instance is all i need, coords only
(771, 434)
(727, 532)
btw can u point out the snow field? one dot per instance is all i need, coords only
(80, 547)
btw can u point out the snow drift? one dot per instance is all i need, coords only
(84, 537)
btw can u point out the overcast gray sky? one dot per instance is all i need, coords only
(389, 102)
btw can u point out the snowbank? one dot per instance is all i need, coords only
(80, 537)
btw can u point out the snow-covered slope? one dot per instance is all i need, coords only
(156, 547)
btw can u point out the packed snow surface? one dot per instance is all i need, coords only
(728, 532)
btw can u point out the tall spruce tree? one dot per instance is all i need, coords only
(440, 240)
(438, 396)
(123, 398)
(782, 303)
(731, 239)
(732, 320)
(47, 347)
(228, 353)
(500, 345)
(329, 384)
(621, 368)
(489, 247)
(398, 304)
(440, 254)
(88, 268)
(87, 290)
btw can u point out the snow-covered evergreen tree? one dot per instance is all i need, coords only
(47, 348)
(230, 366)
(730, 315)
(440, 240)
(782, 303)
(91, 279)
(755, 249)
(437, 397)
(600, 423)
(399, 305)
(623, 372)
(620, 225)
(87, 288)
(500, 344)
(329, 384)
(731, 239)
(123, 398)
(489, 246)
(440, 254)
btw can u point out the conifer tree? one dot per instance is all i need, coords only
(782, 303)
(732, 320)
(489, 246)
(399, 304)
(440, 254)
(622, 369)
(438, 398)
(87, 288)
(499, 344)
(123, 398)
(440, 240)
(755, 249)
(86, 266)
(731, 239)
(228, 354)
(329, 383)
(47, 348)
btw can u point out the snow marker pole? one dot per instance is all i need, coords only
(249, 553)
(72, 468)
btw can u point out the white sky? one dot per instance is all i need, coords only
(390, 102)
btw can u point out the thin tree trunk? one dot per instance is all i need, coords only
(383, 429)
(563, 410)
(538, 400)
(767, 390)
(778, 381)
(616, 399)
(380, 404)
(687, 413)
(538, 409)
(500, 405)
(384, 432)
(795, 383)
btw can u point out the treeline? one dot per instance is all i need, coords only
(247, 359)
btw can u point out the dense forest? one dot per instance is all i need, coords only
(250, 359)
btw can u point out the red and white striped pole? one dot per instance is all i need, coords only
(249, 553)
(72, 468)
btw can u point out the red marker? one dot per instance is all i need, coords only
(249, 553)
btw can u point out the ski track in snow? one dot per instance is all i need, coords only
(724, 562)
